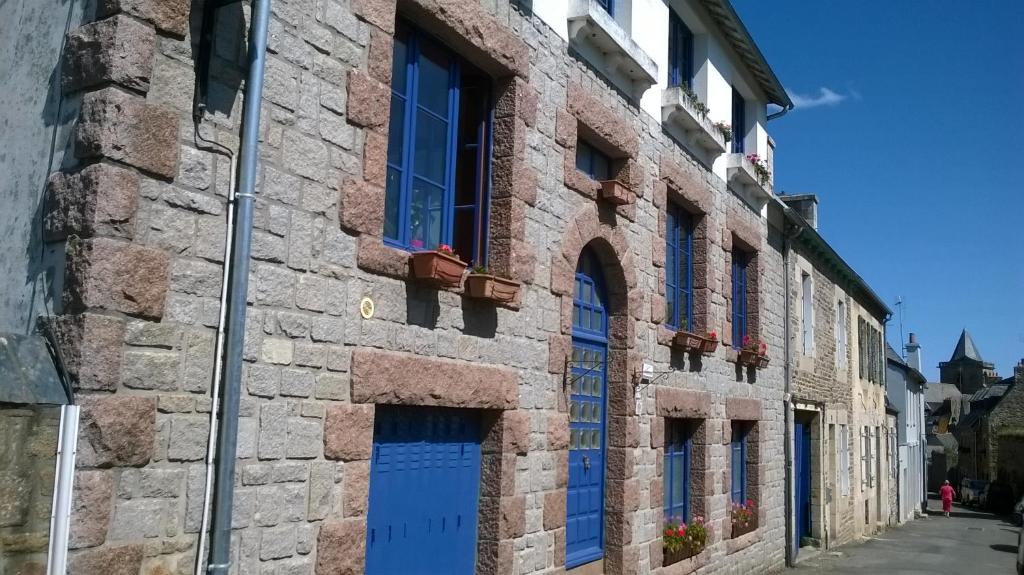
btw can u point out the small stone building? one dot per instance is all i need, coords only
(831, 348)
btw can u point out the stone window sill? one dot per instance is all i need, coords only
(676, 109)
(743, 179)
(742, 542)
(589, 23)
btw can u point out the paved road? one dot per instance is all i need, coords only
(968, 542)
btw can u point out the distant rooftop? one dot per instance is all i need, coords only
(966, 348)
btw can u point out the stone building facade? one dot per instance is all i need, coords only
(826, 299)
(141, 212)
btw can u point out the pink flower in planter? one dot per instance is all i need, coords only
(416, 244)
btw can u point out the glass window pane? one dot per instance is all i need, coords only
(396, 130)
(392, 201)
(434, 79)
(583, 157)
(678, 479)
(574, 411)
(398, 62)
(431, 151)
(602, 170)
(595, 439)
(425, 214)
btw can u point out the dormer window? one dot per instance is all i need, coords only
(680, 52)
(739, 122)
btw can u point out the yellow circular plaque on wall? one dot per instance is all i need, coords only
(366, 308)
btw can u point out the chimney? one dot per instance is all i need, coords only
(914, 352)
(804, 204)
(1018, 371)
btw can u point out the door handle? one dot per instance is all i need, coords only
(586, 463)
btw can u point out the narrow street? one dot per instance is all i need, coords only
(968, 541)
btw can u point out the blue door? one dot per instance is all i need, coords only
(802, 441)
(584, 526)
(424, 488)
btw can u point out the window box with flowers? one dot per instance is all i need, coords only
(681, 106)
(681, 541)
(750, 176)
(709, 343)
(440, 267)
(753, 353)
(482, 285)
(744, 518)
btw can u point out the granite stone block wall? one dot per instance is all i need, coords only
(143, 215)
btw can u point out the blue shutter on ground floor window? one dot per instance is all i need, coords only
(738, 471)
(678, 447)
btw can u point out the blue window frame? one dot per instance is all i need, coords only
(593, 162)
(739, 121)
(738, 471)
(740, 261)
(439, 147)
(678, 449)
(608, 5)
(680, 51)
(679, 268)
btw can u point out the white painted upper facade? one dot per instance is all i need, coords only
(630, 47)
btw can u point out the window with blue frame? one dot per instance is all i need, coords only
(439, 147)
(679, 269)
(738, 463)
(608, 5)
(680, 52)
(740, 262)
(678, 454)
(739, 121)
(593, 162)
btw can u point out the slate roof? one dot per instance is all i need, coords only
(937, 392)
(894, 358)
(966, 348)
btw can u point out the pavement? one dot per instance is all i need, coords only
(968, 542)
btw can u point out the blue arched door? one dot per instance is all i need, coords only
(584, 526)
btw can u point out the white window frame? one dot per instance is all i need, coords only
(842, 338)
(807, 311)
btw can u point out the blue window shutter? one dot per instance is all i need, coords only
(739, 122)
(678, 452)
(739, 465)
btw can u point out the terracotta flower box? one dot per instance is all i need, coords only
(689, 342)
(762, 361)
(438, 268)
(739, 529)
(614, 192)
(748, 357)
(681, 554)
(708, 346)
(490, 287)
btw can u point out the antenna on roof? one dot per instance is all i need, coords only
(903, 344)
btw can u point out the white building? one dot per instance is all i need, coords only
(693, 66)
(905, 387)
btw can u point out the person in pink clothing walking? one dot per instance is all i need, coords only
(946, 493)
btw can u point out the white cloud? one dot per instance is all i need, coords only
(824, 97)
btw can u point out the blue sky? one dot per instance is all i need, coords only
(911, 132)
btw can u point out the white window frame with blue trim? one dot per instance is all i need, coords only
(678, 468)
(438, 180)
(679, 226)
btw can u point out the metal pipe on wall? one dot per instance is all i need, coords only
(227, 438)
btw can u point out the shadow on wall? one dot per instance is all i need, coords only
(218, 32)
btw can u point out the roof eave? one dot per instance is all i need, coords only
(743, 44)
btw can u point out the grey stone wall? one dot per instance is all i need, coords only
(301, 501)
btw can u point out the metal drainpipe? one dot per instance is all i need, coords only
(227, 438)
(788, 401)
